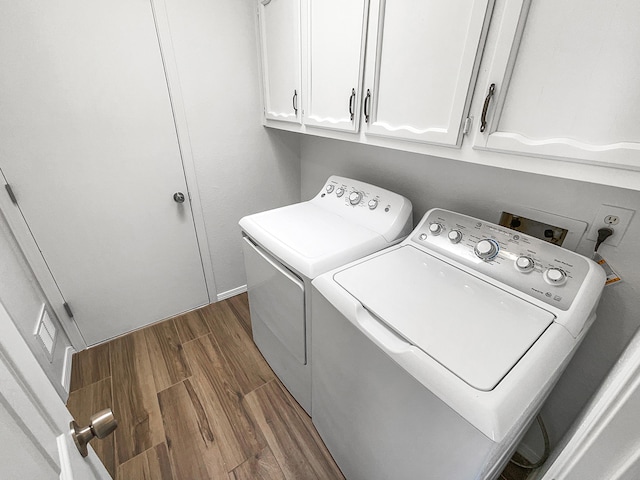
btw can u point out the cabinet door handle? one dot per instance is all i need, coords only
(483, 118)
(367, 101)
(352, 101)
(295, 101)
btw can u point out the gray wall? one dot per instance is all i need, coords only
(21, 295)
(484, 192)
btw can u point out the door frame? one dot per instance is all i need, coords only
(591, 433)
(36, 261)
(20, 229)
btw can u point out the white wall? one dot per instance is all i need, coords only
(484, 192)
(241, 167)
(22, 297)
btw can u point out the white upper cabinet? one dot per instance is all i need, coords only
(421, 65)
(281, 61)
(336, 36)
(566, 82)
(403, 74)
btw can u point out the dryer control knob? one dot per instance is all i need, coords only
(524, 264)
(330, 188)
(340, 192)
(355, 197)
(435, 229)
(373, 204)
(486, 249)
(555, 276)
(455, 236)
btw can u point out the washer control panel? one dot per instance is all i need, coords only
(530, 265)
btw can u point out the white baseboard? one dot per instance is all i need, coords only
(232, 293)
(66, 368)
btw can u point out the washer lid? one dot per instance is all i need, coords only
(311, 239)
(471, 327)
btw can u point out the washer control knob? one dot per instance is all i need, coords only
(524, 264)
(423, 236)
(373, 204)
(340, 192)
(486, 249)
(355, 197)
(455, 236)
(330, 188)
(435, 229)
(555, 276)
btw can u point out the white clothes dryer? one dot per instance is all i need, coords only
(432, 357)
(285, 248)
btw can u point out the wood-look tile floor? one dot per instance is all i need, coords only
(195, 400)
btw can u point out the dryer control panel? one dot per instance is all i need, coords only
(530, 265)
(375, 208)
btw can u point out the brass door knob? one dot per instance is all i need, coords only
(100, 425)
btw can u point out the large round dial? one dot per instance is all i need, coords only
(355, 197)
(340, 192)
(435, 229)
(524, 264)
(330, 188)
(486, 249)
(555, 276)
(455, 236)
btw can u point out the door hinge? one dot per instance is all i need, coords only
(12, 195)
(466, 127)
(67, 309)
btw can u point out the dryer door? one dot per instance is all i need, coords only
(277, 300)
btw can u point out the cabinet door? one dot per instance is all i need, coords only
(566, 82)
(281, 63)
(424, 59)
(335, 61)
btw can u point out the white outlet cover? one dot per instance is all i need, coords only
(625, 215)
(46, 332)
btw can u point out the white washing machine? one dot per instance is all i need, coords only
(285, 248)
(432, 357)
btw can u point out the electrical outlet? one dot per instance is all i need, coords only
(615, 218)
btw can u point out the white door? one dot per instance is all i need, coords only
(421, 66)
(281, 62)
(34, 423)
(89, 148)
(565, 78)
(335, 62)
